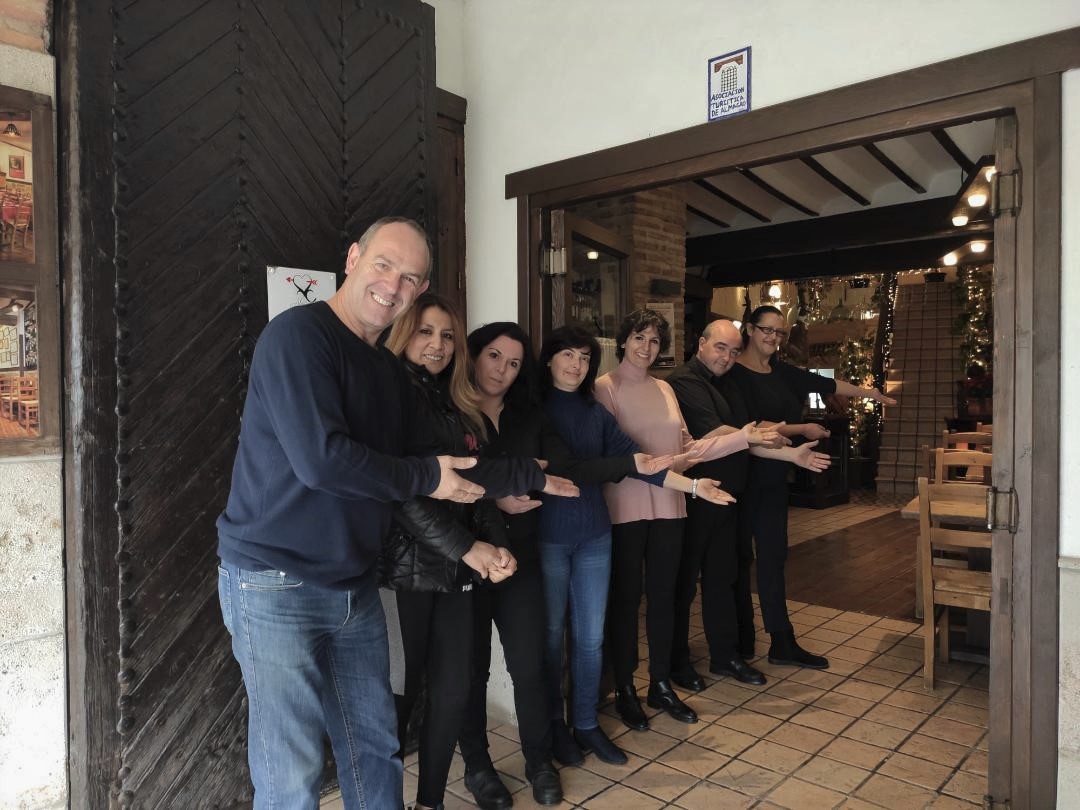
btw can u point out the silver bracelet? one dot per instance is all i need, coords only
(693, 489)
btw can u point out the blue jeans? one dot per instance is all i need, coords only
(576, 576)
(315, 661)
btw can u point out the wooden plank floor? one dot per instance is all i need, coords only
(10, 429)
(867, 568)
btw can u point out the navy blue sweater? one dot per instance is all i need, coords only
(589, 431)
(322, 452)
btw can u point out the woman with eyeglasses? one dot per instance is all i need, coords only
(776, 393)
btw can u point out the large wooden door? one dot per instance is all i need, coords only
(199, 143)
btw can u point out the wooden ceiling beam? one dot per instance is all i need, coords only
(834, 181)
(705, 215)
(705, 205)
(730, 200)
(954, 151)
(875, 226)
(850, 262)
(777, 193)
(888, 163)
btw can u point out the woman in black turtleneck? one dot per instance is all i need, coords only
(776, 393)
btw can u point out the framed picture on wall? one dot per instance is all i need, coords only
(17, 167)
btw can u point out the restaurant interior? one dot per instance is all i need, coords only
(19, 411)
(880, 255)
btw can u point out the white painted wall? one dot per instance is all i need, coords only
(33, 695)
(553, 79)
(450, 44)
(1069, 583)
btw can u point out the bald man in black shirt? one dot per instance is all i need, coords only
(710, 545)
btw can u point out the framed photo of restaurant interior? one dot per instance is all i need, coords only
(29, 277)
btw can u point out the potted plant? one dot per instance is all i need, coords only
(976, 392)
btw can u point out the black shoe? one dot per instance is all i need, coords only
(785, 651)
(563, 747)
(738, 669)
(629, 708)
(663, 697)
(688, 679)
(596, 741)
(488, 790)
(546, 786)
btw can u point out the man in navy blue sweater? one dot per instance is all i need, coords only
(323, 453)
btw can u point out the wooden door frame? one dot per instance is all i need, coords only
(597, 236)
(1021, 79)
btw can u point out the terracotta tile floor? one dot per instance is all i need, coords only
(862, 734)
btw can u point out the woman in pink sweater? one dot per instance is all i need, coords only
(647, 522)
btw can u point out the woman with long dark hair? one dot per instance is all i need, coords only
(504, 374)
(776, 392)
(576, 540)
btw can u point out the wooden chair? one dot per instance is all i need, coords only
(948, 463)
(24, 219)
(981, 428)
(947, 584)
(967, 441)
(27, 411)
(9, 394)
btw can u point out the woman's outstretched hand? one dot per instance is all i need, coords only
(648, 465)
(710, 491)
(517, 504)
(878, 396)
(805, 456)
(765, 436)
(814, 431)
(563, 487)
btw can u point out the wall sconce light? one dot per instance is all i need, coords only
(974, 252)
(11, 130)
(970, 203)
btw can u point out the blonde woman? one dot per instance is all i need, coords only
(438, 553)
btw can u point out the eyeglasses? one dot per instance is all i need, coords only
(768, 331)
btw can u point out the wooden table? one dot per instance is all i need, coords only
(961, 513)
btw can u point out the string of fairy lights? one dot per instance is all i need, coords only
(975, 323)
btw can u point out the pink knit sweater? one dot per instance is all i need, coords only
(647, 412)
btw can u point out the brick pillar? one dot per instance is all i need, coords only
(654, 222)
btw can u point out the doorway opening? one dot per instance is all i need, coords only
(1023, 551)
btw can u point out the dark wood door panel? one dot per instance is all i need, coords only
(211, 140)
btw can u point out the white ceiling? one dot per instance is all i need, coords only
(921, 156)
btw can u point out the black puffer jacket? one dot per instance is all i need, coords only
(429, 537)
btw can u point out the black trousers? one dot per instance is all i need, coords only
(517, 608)
(436, 634)
(710, 550)
(656, 545)
(763, 515)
